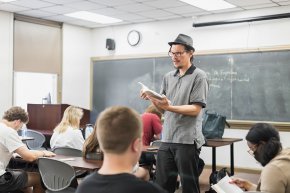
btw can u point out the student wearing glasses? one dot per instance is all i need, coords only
(264, 144)
(184, 93)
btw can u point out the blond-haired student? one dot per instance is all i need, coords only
(67, 133)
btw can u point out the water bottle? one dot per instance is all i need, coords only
(24, 131)
(89, 130)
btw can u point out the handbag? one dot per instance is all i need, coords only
(213, 125)
(215, 177)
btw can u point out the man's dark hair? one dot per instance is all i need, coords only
(267, 139)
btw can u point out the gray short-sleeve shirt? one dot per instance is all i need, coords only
(191, 88)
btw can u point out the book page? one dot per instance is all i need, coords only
(223, 186)
(149, 92)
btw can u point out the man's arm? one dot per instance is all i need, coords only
(190, 110)
(165, 105)
(32, 155)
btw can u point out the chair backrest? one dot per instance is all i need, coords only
(38, 141)
(156, 143)
(56, 175)
(68, 151)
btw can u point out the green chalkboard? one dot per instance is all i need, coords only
(243, 86)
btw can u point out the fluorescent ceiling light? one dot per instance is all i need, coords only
(209, 5)
(89, 16)
(5, 1)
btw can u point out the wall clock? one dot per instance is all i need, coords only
(133, 37)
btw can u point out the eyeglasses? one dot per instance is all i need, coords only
(177, 54)
(251, 151)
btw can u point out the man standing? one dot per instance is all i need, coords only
(119, 131)
(184, 95)
(10, 143)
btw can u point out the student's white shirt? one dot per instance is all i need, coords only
(9, 142)
(72, 138)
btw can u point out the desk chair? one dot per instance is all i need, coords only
(67, 151)
(156, 143)
(56, 175)
(38, 141)
(152, 157)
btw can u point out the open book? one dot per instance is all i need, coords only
(223, 186)
(149, 92)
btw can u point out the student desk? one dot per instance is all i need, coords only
(214, 143)
(80, 162)
(26, 138)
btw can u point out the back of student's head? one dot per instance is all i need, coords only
(71, 117)
(16, 113)
(152, 109)
(267, 139)
(91, 144)
(117, 127)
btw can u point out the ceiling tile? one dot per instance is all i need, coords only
(184, 9)
(34, 4)
(280, 0)
(113, 2)
(129, 16)
(36, 13)
(284, 3)
(142, 1)
(61, 2)
(260, 6)
(12, 8)
(136, 7)
(108, 11)
(84, 23)
(248, 2)
(228, 10)
(59, 9)
(155, 13)
(164, 3)
(85, 5)
(60, 18)
(130, 11)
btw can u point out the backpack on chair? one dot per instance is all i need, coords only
(215, 177)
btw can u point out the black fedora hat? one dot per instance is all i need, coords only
(184, 40)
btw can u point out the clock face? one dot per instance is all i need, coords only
(133, 37)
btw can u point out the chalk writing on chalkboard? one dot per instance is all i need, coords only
(243, 86)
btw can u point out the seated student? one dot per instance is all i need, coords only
(264, 144)
(10, 142)
(152, 128)
(91, 150)
(119, 135)
(152, 125)
(68, 133)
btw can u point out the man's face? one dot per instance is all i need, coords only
(18, 125)
(179, 56)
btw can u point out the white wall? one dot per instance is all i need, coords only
(234, 36)
(76, 66)
(156, 35)
(6, 60)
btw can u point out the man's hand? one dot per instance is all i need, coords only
(162, 104)
(143, 95)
